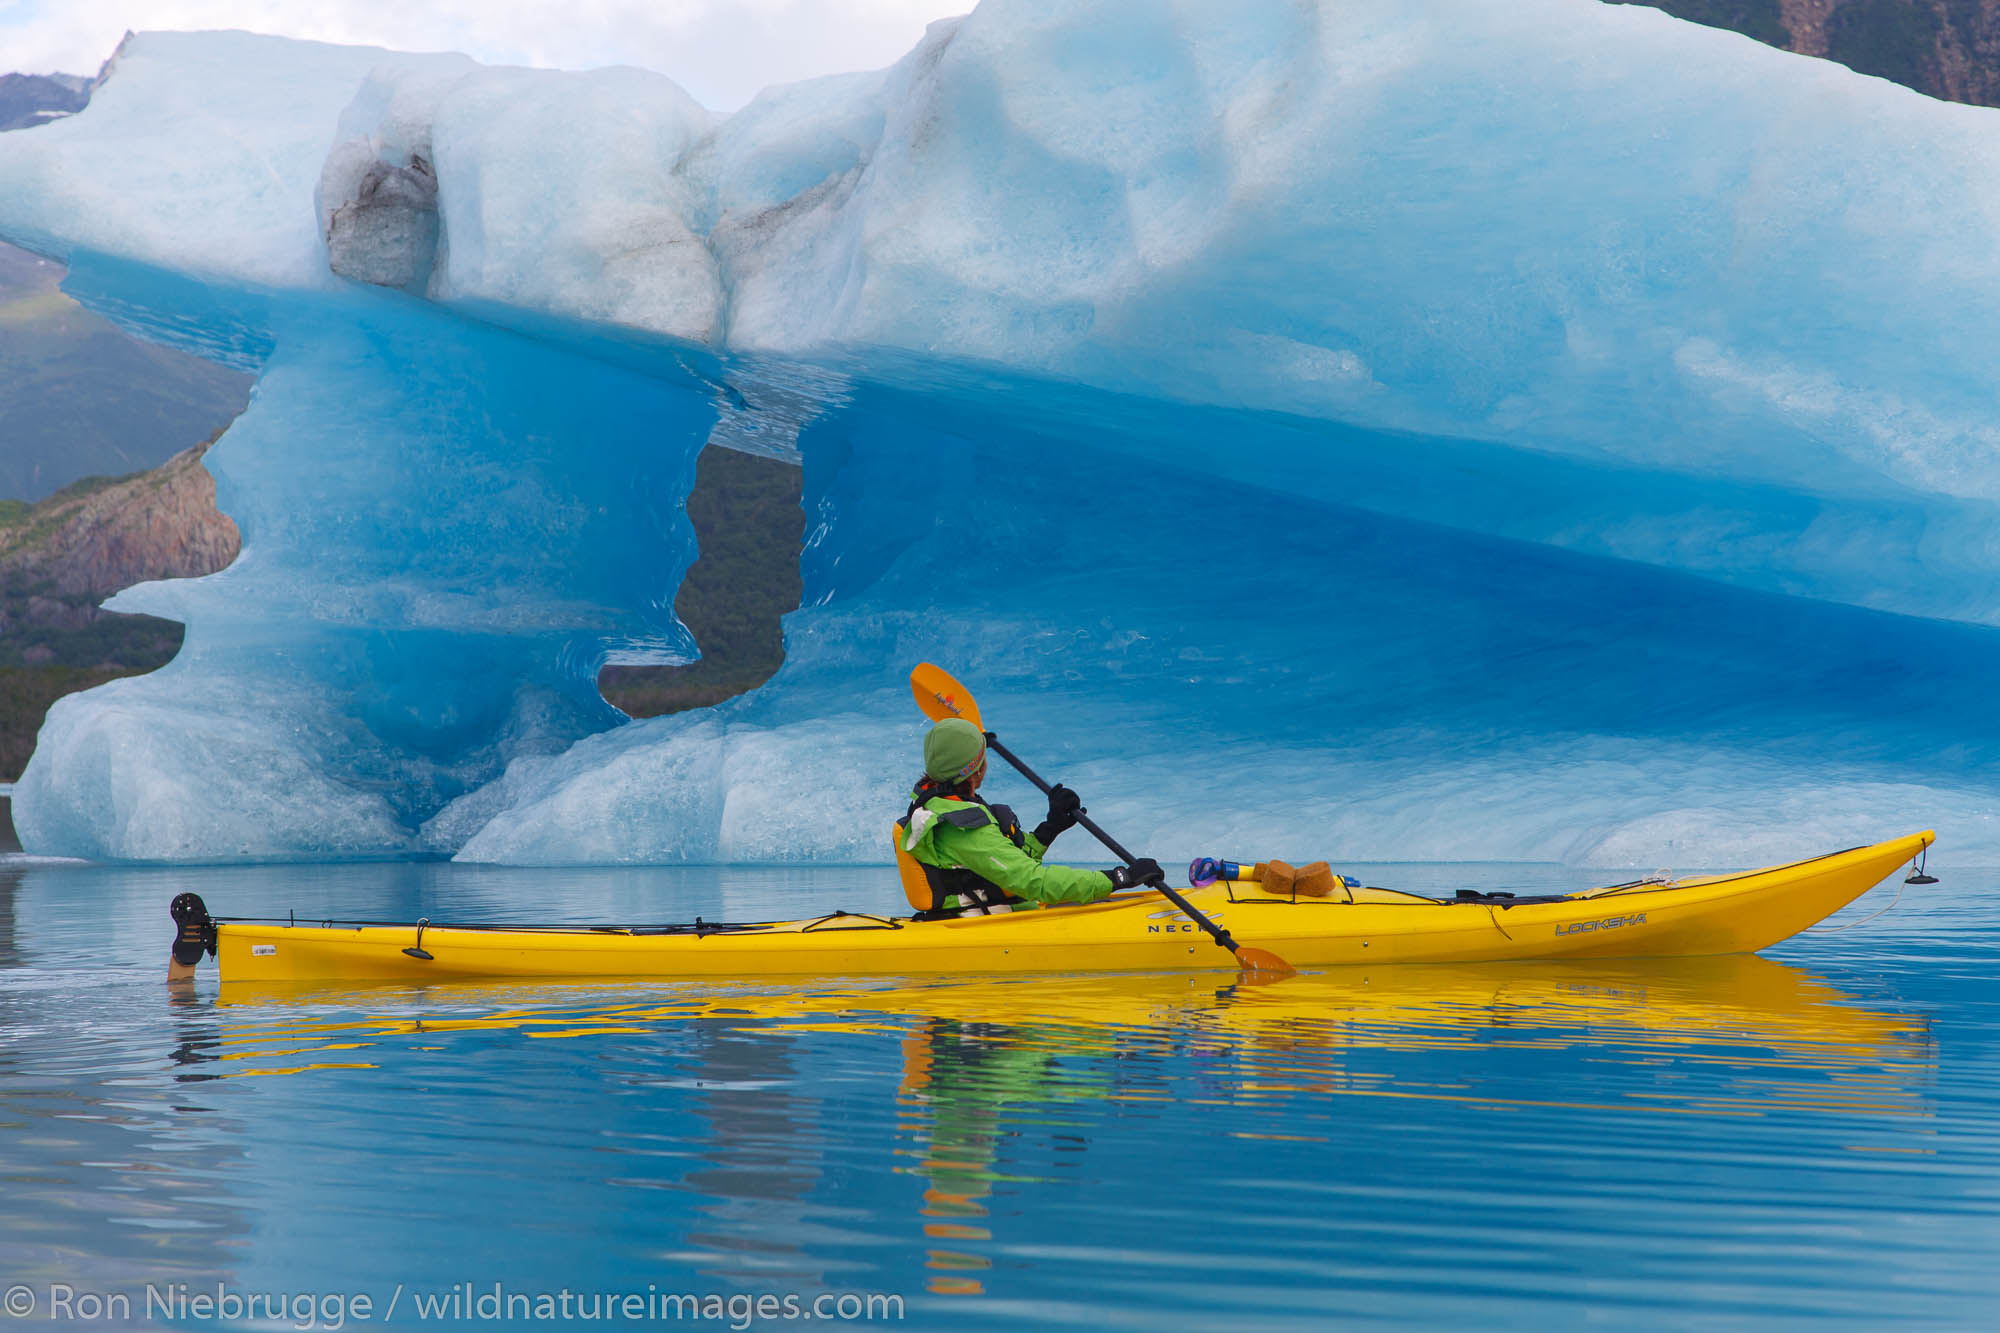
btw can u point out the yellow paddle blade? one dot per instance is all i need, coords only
(1261, 965)
(941, 697)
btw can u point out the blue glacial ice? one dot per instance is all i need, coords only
(1367, 430)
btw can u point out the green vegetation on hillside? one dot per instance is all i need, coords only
(40, 518)
(25, 696)
(746, 515)
(40, 664)
(120, 644)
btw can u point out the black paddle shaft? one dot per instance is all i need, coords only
(1221, 936)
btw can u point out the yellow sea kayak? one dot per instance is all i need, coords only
(1129, 932)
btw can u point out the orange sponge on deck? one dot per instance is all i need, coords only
(1282, 879)
(1316, 880)
(1275, 877)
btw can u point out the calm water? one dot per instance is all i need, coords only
(1808, 1136)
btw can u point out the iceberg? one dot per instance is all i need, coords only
(1546, 431)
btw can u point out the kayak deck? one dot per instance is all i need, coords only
(1134, 931)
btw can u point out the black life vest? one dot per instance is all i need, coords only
(929, 886)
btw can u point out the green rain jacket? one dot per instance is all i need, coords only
(951, 834)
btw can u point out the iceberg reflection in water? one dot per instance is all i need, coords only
(1740, 1139)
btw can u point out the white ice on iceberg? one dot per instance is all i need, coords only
(1335, 396)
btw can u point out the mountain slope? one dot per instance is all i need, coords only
(60, 558)
(31, 99)
(1949, 49)
(79, 398)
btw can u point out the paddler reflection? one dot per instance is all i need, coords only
(967, 1081)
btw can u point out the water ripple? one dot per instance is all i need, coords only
(1810, 1137)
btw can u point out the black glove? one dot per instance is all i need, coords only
(1145, 870)
(1065, 808)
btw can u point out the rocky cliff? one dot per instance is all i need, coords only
(1947, 48)
(101, 535)
(61, 557)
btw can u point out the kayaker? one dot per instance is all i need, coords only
(973, 856)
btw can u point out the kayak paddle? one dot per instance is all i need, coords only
(940, 696)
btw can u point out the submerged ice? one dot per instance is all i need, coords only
(1367, 430)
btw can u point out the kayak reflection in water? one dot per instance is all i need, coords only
(959, 854)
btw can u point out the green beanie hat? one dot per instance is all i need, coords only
(953, 750)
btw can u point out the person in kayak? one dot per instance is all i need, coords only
(958, 853)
